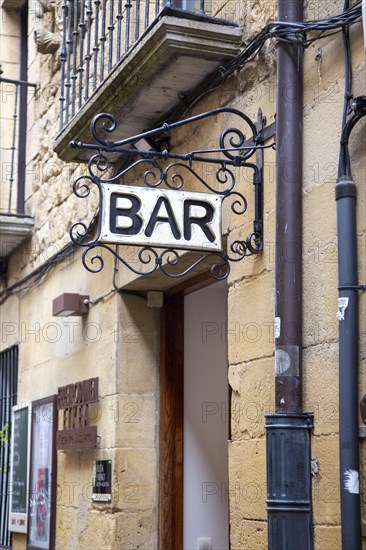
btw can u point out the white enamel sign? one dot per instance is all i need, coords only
(161, 218)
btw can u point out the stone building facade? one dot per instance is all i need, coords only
(132, 337)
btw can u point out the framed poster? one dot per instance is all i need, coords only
(102, 484)
(42, 477)
(19, 467)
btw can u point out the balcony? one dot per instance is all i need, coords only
(134, 60)
(15, 225)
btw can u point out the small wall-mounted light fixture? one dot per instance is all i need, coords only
(70, 304)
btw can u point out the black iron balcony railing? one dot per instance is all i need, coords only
(96, 34)
(14, 95)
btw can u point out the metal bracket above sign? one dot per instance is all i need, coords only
(157, 213)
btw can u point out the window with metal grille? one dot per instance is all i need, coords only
(8, 398)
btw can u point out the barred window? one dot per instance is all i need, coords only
(8, 398)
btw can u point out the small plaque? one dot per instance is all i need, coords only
(74, 400)
(77, 439)
(102, 483)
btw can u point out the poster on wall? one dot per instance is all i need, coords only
(19, 467)
(42, 498)
(102, 484)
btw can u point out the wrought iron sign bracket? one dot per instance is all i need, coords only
(155, 213)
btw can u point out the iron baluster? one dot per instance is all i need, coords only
(96, 42)
(128, 7)
(75, 34)
(111, 28)
(157, 7)
(17, 146)
(202, 7)
(23, 90)
(13, 148)
(147, 6)
(89, 13)
(68, 59)
(137, 20)
(103, 39)
(63, 57)
(119, 29)
(81, 58)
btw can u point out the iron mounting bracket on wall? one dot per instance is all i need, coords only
(227, 165)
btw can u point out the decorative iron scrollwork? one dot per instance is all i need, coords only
(173, 171)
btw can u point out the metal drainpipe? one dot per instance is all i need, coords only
(346, 194)
(288, 431)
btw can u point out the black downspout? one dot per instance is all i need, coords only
(288, 431)
(346, 195)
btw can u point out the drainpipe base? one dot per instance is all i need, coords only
(289, 481)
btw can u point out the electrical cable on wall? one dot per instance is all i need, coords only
(354, 110)
(275, 29)
(37, 275)
(294, 32)
(344, 163)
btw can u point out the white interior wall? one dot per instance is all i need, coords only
(206, 418)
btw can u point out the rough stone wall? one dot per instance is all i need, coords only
(324, 89)
(251, 311)
(125, 356)
(117, 342)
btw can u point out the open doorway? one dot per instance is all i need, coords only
(194, 401)
(206, 420)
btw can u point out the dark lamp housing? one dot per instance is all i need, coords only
(68, 304)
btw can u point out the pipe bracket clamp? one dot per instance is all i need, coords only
(345, 188)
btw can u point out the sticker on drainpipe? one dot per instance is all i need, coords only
(342, 306)
(352, 481)
(277, 327)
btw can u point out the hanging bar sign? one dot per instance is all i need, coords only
(161, 218)
(160, 215)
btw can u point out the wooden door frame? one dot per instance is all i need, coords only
(170, 523)
(170, 534)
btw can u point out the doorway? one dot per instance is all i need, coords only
(206, 420)
(194, 401)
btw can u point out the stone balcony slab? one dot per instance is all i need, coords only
(171, 58)
(13, 231)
